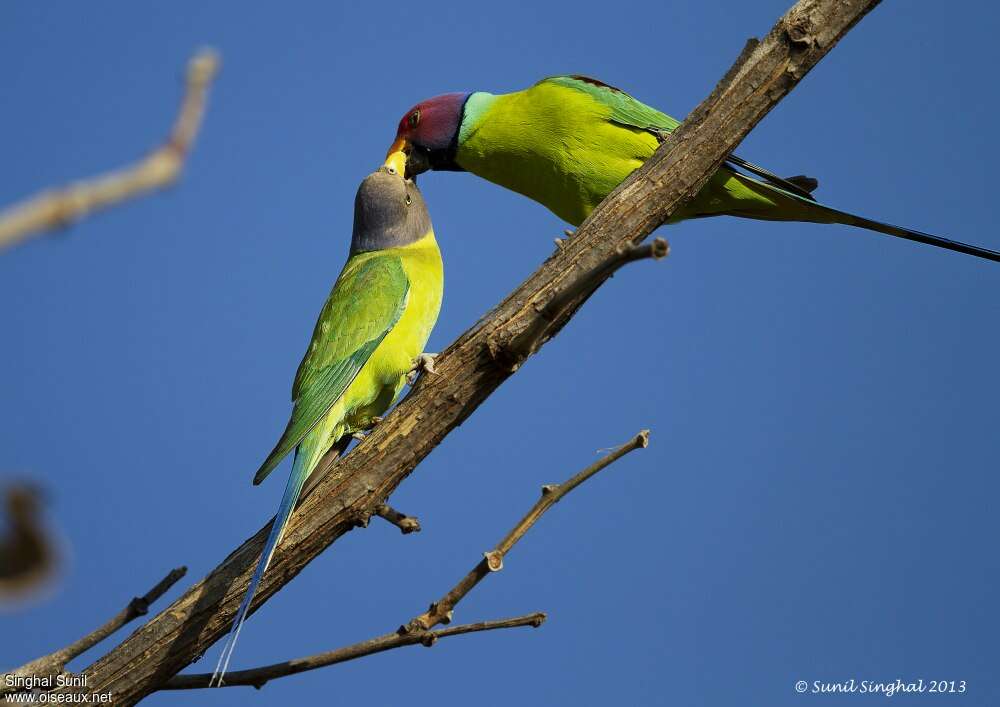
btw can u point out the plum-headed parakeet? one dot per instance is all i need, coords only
(371, 330)
(568, 141)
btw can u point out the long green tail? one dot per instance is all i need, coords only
(752, 198)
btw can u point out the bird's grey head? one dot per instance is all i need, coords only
(389, 212)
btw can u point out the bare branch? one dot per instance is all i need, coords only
(55, 663)
(257, 677)
(406, 524)
(529, 340)
(440, 612)
(467, 372)
(418, 630)
(60, 207)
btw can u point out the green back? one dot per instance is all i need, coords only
(625, 110)
(367, 300)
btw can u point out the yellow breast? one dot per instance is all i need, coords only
(381, 379)
(555, 146)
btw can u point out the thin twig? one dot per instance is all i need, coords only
(54, 208)
(418, 630)
(440, 612)
(406, 524)
(257, 677)
(528, 341)
(55, 663)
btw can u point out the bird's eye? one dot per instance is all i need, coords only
(413, 119)
(407, 199)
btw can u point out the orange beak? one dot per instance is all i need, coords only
(395, 159)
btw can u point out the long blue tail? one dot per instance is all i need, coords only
(300, 470)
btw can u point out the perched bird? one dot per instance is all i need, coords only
(568, 141)
(371, 330)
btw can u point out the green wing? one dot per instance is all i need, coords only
(366, 302)
(624, 109)
(627, 111)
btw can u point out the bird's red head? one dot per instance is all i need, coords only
(428, 134)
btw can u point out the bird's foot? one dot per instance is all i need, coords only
(361, 434)
(560, 242)
(422, 363)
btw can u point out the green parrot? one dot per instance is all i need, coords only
(370, 332)
(568, 141)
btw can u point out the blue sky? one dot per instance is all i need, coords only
(818, 501)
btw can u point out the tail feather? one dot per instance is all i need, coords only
(780, 204)
(799, 185)
(920, 237)
(803, 182)
(300, 470)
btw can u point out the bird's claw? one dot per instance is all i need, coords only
(560, 242)
(361, 434)
(422, 363)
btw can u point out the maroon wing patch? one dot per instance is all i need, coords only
(596, 82)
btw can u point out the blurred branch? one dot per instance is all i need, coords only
(440, 612)
(56, 208)
(55, 663)
(257, 677)
(467, 372)
(27, 551)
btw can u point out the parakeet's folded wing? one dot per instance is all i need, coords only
(626, 110)
(367, 301)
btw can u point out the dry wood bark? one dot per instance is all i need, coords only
(55, 663)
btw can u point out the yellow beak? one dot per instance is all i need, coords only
(395, 160)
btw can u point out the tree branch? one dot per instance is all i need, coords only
(467, 372)
(406, 524)
(529, 340)
(257, 677)
(440, 612)
(60, 207)
(55, 663)
(418, 630)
